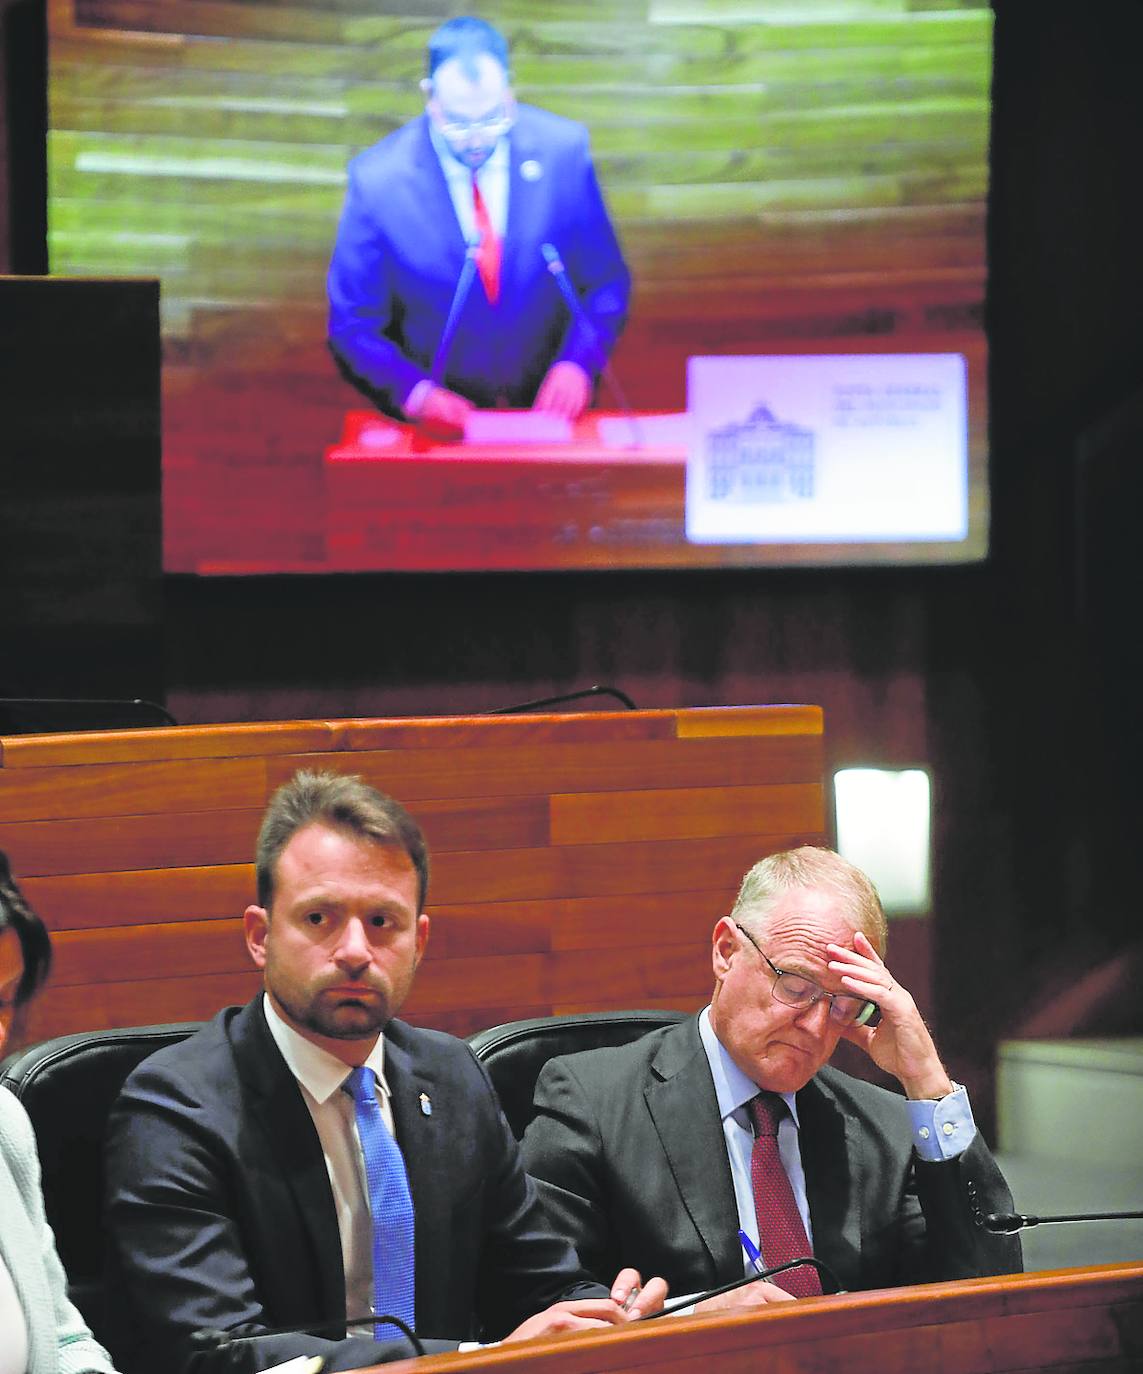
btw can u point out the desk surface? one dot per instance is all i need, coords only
(1069, 1320)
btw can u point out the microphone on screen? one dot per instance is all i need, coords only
(437, 430)
(452, 319)
(599, 357)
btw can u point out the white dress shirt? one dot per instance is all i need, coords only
(493, 179)
(320, 1076)
(941, 1130)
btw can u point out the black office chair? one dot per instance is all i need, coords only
(515, 1052)
(68, 1086)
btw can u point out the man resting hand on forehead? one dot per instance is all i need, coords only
(658, 1154)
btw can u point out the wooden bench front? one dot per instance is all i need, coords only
(579, 862)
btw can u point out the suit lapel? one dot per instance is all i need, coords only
(289, 1135)
(529, 194)
(832, 1158)
(684, 1109)
(436, 214)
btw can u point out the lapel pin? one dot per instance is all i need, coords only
(531, 170)
(426, 1105)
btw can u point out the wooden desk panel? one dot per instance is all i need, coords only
(1069, 1321)
(578, 861)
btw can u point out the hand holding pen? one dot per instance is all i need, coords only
(754, 1294)
(634, 1297)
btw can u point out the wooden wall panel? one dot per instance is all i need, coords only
(577, 861)
(418, 774)
(109, 844)
(86, 901)
(686, 813)
(131, 789)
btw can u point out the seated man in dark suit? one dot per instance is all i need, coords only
(658, 1154)
(475, 169)
(254, 1178)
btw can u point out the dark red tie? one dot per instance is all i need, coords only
(781, 1233)
(488, 249)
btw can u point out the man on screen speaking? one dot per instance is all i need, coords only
(478, 178)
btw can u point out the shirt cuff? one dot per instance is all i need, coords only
(942, 1129)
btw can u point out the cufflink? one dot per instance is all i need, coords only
(426, 1105)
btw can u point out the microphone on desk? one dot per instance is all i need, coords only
(1008, 1223)
(824, 1272)
(211, 1339)
(579, 314)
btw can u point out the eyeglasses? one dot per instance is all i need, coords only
(794, 990)
(492, 126)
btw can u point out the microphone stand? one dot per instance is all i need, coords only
(579, 314)
(824, 1272)
(594, 691)
(1008, 1223)
(218, 1340)
(452, 320)
(437, 431)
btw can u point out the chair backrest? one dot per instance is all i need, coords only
(515, 1052)
(68, 1086)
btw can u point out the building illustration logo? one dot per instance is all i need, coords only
(760, 461)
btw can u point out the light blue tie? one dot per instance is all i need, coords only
(390, 1205)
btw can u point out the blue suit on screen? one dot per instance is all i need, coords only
(399, 252)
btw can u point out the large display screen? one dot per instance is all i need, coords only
(799, 190)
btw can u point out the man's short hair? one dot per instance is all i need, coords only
(466, 38)
(35, 942)
(810, 866)
(342, 802)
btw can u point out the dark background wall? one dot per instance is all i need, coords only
(1014, 681)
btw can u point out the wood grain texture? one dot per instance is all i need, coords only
(578, 861)
(1080, 1321)
(420, 774)
(189, 742)
(686, 813)
(131, 789)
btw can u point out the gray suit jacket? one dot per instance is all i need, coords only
(58, 1339)
(628, 1151)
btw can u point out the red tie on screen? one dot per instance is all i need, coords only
(781, 1234)
(488, 249)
